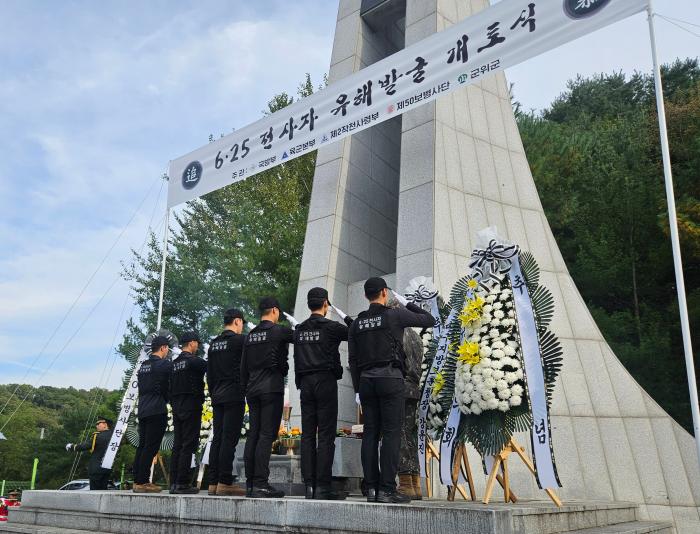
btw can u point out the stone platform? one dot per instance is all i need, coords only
(63, 512)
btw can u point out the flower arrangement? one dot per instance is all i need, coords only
(207, 418)
(489, 372)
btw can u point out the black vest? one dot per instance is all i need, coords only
(309, 353)
(376, 345)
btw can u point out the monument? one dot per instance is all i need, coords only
(406, 198)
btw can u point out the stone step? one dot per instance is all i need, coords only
(125, 513)
(19, 528)
(634, 527)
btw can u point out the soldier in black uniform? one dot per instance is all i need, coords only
(228, 401)
(187, 397)
(97, 445)
(154, 386)
(263, 369)
(317, 369)
(377, 365)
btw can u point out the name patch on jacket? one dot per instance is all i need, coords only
(179, 366)
(255, 338)
(307, 336)
(145, 368)
(369, 323)
(219, 345)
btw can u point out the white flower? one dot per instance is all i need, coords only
(519, 373)
(493, 332)
(515, 400)
(485, 352)
(498, 353)
(484, 329)
(497, 364)
(476, 409)
(510, 377)
(468, 388)
(495, 323)
(505, 294)
(482, 404)
(497, 306)
(438, 407)
(487, 372)
(504, 394)
(498, 345)
(497, 375)
(517, 389)
(475, 338)
(498, 314)
(485, 363)
(511, 313)
(492, 404)
(501, 385)
(490, 382)
(475, 396)
(508, 350)
(504, 406)
(490, 299)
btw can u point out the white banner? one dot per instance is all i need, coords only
(130, 396)
(540, 434)
(500, 36)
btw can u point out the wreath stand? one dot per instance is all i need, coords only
(501, 462)
(461, 463)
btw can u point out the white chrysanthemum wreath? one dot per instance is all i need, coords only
(489, 374)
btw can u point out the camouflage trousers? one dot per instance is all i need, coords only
(408, 457)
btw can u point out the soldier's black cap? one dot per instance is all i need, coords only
(374, 285)
(233, 313)
(158, 342)
(315, 297)
(189, 336)
(267, 303)
(104, 420)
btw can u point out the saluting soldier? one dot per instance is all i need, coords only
(317, 369)
(187, 392)
(154, 385)
(97, 445)
(263, 368)
(377, 364)
(228, 402)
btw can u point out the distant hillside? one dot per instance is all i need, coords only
(63, 414)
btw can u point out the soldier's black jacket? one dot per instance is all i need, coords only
(97, 445)
(224, 368)
(264, 363)
(187, 383)
(375, 339)
(154, 386)
(316, 343)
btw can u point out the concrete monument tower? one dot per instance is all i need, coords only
(406, 198)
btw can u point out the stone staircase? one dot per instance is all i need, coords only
(61, 512)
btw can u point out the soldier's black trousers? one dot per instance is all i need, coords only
(151, 431)
(99, 482)
(265, 413)
(319, 414)
(228, 419)
(383, 410)
(187, 427)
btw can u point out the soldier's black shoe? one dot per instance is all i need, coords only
(266, 492)
(328, 494)
(185, 490)
(309, 493)
(248, 489)
(371, 495)
(393, 497)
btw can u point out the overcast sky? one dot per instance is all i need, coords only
(97, 97)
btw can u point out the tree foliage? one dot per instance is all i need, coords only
(595, 156)
(63, 413)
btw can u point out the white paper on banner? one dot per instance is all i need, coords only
(447, 443)
(440, 331)
(127, 406)
(207, 447)
(462, 54)
(534, 372)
